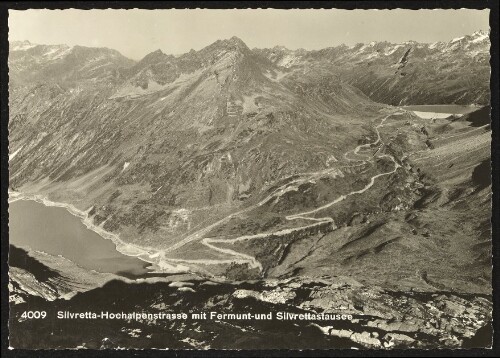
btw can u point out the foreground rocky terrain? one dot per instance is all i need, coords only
(380, 318)
(264, 181)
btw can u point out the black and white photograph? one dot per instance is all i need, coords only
(249, 179)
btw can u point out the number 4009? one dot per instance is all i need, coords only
(34, 314)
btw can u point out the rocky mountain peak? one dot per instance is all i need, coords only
(232, 44)
(157, 53)
(237, 42)
(155, 57)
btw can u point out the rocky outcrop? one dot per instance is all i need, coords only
(33, 273)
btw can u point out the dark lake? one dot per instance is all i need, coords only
(55, 231)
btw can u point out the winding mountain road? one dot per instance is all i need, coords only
(239, 257)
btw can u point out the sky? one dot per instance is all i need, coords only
(135, 33)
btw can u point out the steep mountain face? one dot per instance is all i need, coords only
(401, 74)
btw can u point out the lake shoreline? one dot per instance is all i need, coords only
(162, 266)
(121, 246)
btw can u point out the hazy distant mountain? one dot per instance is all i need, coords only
(408, 73)
(38, 63)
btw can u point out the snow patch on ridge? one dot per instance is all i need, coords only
(457, 39)
(12, 156)
(481, 37)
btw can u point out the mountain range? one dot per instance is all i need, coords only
(399, 74)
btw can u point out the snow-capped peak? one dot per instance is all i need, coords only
(479, 36)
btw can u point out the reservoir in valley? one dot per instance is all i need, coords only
(435, 111)
(55, 231)
(442, 108)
